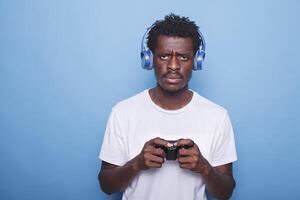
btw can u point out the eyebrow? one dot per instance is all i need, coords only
(185, 54)
(170, 53)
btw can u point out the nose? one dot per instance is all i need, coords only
(173, 63)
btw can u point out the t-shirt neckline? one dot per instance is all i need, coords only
(180, 110)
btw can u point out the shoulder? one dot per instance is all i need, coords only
(132, 103)
(210, 108)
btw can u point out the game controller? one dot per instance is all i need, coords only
(171, 152)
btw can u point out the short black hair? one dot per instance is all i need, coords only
(174, 26)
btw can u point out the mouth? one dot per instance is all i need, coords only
(172, 76)
(172, 79)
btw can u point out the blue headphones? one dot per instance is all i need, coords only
(147, 56)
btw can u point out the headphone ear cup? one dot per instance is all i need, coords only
(198, 60)
(147, 59)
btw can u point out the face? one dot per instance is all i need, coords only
(173, 62)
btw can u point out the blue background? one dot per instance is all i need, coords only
(64, 64)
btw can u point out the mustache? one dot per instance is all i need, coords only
(172, 75)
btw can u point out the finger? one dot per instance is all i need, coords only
(155, 151)
(185, 160)
(152, 158)
(154, 165)
(160, 142)
(186, 152)
(185, 166)
(185, 142)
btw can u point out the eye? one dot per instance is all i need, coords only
(184, 58)
(164, 57)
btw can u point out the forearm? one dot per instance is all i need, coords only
(114, 178)
(118, 178)
(220, 185)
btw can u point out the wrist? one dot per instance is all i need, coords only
(135, 164)
(206, 169)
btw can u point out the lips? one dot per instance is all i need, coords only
(172, 78)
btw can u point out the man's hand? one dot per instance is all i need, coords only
(151, 156)
(113, 178)
(190, 157)
(219, 180)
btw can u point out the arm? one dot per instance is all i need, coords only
(219, 180)
(113, 178)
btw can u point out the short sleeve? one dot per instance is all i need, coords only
(224, 150)
(113, 145)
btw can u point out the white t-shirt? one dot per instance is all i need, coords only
(138, 119)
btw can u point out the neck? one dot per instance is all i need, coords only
(170, 100)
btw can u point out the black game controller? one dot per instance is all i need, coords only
(171, 152)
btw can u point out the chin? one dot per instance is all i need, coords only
(173, 89)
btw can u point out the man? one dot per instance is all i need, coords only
(141, 128)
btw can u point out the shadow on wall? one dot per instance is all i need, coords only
(117, 196)
(209, 197)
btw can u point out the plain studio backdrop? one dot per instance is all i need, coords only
(64, 64)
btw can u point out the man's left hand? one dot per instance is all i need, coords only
(190, 157)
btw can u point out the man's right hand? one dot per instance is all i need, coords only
(113, 178)
(151, 155)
